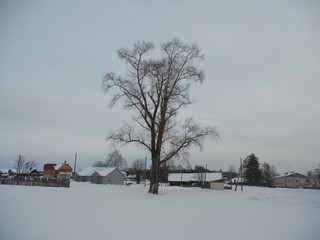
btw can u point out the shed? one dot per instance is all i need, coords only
(100, 175)
(217, 184)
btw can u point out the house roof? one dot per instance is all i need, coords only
(193, 177)
(49, 166)
(294, 174)
(102, 171)
(58, 166)
(62, 165)
(54, 166)
(22, 171)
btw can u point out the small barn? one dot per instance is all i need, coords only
(100, 175)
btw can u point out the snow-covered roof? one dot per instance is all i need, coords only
(15, 171)
(237, 180)
(58, 166)
(193, 177)
(102, 171)
(293, 174)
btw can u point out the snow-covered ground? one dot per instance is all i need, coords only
(91, 212)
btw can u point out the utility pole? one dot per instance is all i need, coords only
(239, 176)
(285, 180)
(75, 163)
(205, 176)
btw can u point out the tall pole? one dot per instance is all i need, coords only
(205, 174)
(239, 176)
(75, 163)
(145, 171)
(285, 180)
(241, 173)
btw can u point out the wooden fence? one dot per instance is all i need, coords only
(43, 182)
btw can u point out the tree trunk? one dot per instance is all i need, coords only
(154, 181)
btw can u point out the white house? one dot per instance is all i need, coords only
(100, 175)
(295, 180)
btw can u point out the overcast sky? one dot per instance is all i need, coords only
(262, 87)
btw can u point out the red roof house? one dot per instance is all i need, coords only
(52, 170)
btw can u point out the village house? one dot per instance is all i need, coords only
(60, 171)
(4, 173)
(208, 180)
(14, 173)
(100, 175)
(295, 180)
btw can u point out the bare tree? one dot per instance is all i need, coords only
(115, 159)
(99, 164)
(201, 173)
(29, 166)
(156, 89)
(138, 166)
(19, 163)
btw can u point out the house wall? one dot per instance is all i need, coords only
(279, 182)
(65, 168)
(115, 177)
(217, 185)
(294, 182)
(49, 173)
(96, 178)
(64, 175)
(82, 178)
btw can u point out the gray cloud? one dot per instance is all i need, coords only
(261, 88)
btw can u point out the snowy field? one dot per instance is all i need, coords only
(91, 212)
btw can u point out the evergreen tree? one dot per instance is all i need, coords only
(252, 171)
